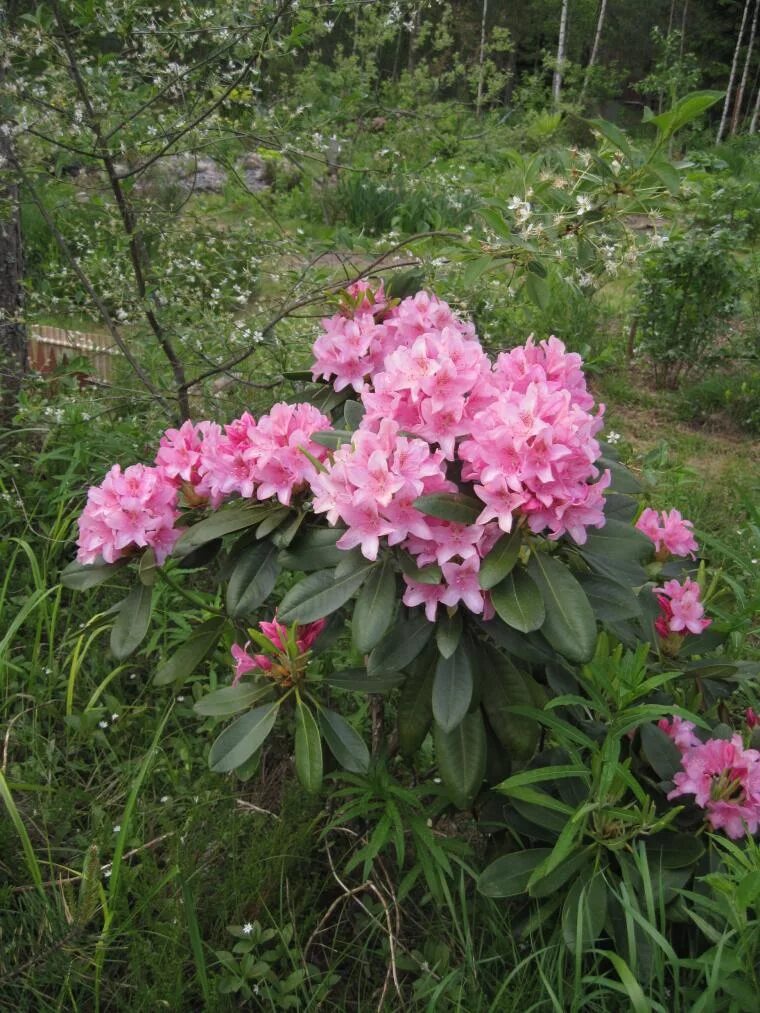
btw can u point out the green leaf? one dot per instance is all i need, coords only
(570, 625)
(448, 633)
(584, 913)
(501, 559)
(614, 135)
(508, 876)
(146, 568)
(685, 110)
(357, 680)
(308, 748)
(344, 742)
(404, 283)
(660, 751)
(319, 594)
(461, 758)
(415, 705)
(674, 850)
(353, 413)
(668, 176)
(565, 871)
(504, 687)
(223, 703)
(473, 269)
(431, 574)
(81, 576)
(401, 644)
(538, 290)
(252, 580)
(618, 540)
(314, 549)
(242, 738)
(189, 655)
(132, 622)
(450, 506)
(373, 611)
(223, 522)
(452, 689)
(332, 438)
(610, 601)
(518, 602)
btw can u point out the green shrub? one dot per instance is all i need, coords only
(688, 287)
(376, 206)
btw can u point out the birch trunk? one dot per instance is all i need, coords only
(557, 80)
(732, 75)
(482, 61)
(595, 48)
(753, 121)
(745, 73)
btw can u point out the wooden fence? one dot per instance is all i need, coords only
(48, 347)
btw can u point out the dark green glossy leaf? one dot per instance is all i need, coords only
(189, 655)
(501, 559)
(618, 540)
(570, 625)
(344, 742)
(448, 633)
(609, 600)
(357, 680)
(319, 594)
(415, 705)
(81, 577)
(584, 913)
(252, 580)
(223, 522)
(508, 876)
(675, 850)
(229, 700)
(452, 689)
(242, 738)
(461, 758)
(450, 506)
(332, 438)
(504, 687)
(314, 549)
(518, 602)
(132, 622)
(401, 644)
(431, 574)
(308, 748)
(374, 608)
(660, 751)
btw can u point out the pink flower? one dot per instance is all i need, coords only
(680, 731)
(428, 595)
(725, 781)
(674, 536)
(463, 585)
(129, 510)
(245, 662)
(751, 718)
(681, 607)
(277, 634)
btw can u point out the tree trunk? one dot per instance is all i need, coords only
(595, 48)
(756, 112)
(745, 73)
(482, 58)
(683, 27)
(557, 80)
(13, 358)
(732, 75)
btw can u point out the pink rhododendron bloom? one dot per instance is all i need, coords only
(680, 731)
(428, 595)
(673, 534)
(261, 459)
(129, 510)
(682, 610)
(724, 779)
(179, 451)
(277, 633)
(751, 718)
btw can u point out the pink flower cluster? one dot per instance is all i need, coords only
(723, 777)
(681, 608)
(357, 340)
(521, 431)
(134, 508)
(249, 458)
(263, 459)
(673, 535)
(277, 634)
(532, 449)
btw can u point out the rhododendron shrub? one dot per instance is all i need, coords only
(448, 524)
